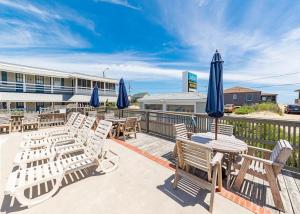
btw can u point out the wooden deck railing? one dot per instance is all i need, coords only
(257, 132)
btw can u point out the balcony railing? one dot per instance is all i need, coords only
(88, 91)
(6, 86)
(254, 131)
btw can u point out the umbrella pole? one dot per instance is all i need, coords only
(216, 128)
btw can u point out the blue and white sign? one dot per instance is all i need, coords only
(189, 82)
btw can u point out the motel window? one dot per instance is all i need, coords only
(39, 80)
(181, 108)
(154, 106)
(234, 96)
(249, 97)
(3, 76)
(19, 105)
(56, 81)
(83, 83)
(101, 85)
(19, 77)
(111, 87)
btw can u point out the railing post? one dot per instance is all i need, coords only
(51, 82)
(76, 86)
(147, 121)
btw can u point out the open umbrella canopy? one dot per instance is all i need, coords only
(215, 97)
(95, 97)
(123, 101)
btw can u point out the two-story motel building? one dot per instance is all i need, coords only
(29, 88)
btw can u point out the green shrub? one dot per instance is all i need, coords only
(247, 109)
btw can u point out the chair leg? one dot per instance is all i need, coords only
(213, 189)
(174, 154)
(220, 178)
(176, 179)
(274, 188)
(239, 180)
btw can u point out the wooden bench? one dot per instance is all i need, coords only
(198, 156)
(266, 168)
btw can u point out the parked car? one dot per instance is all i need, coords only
(292, 109)
(229, 108)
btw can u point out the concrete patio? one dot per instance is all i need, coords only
(139, 185)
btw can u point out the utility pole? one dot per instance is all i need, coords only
(103, 72)
(129, 88)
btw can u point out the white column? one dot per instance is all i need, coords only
(51, 83)
(8, 106)
(24, 83)
(104, 88)
(25, 107)
(76, 85)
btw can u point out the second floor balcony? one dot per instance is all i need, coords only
(21, 87)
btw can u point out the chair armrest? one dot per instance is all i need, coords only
(217, 159)
(259, 149)
(189, 135)
(264, 161)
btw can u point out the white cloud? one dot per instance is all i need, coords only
(41, 26)
(123, 3)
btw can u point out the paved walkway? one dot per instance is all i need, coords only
(139, 185)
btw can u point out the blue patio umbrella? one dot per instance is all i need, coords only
(215, 97)
(122, 101)
(94, 101)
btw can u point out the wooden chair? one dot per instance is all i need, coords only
(199, 156)
(181, 131)
(109, 115)
(266, 168)
(5, 123)
(30, 120)
(222, 129)
(128, 128)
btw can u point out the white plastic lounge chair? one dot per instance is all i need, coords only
(68, 137)
(43, 134)
(56, 150)
(54, 172)
(69, 130)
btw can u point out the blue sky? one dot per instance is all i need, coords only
(150, 42)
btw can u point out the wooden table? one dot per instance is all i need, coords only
(116, 123)
(225, 144)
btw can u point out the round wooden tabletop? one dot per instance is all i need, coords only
(223, 143)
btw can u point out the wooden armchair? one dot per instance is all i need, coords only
(181, 131)
(30, 121)
(5, 123)
(222, 129)
(266, 168)
(128, 128)
(199, 156)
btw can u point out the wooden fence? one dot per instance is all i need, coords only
(256, 132)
